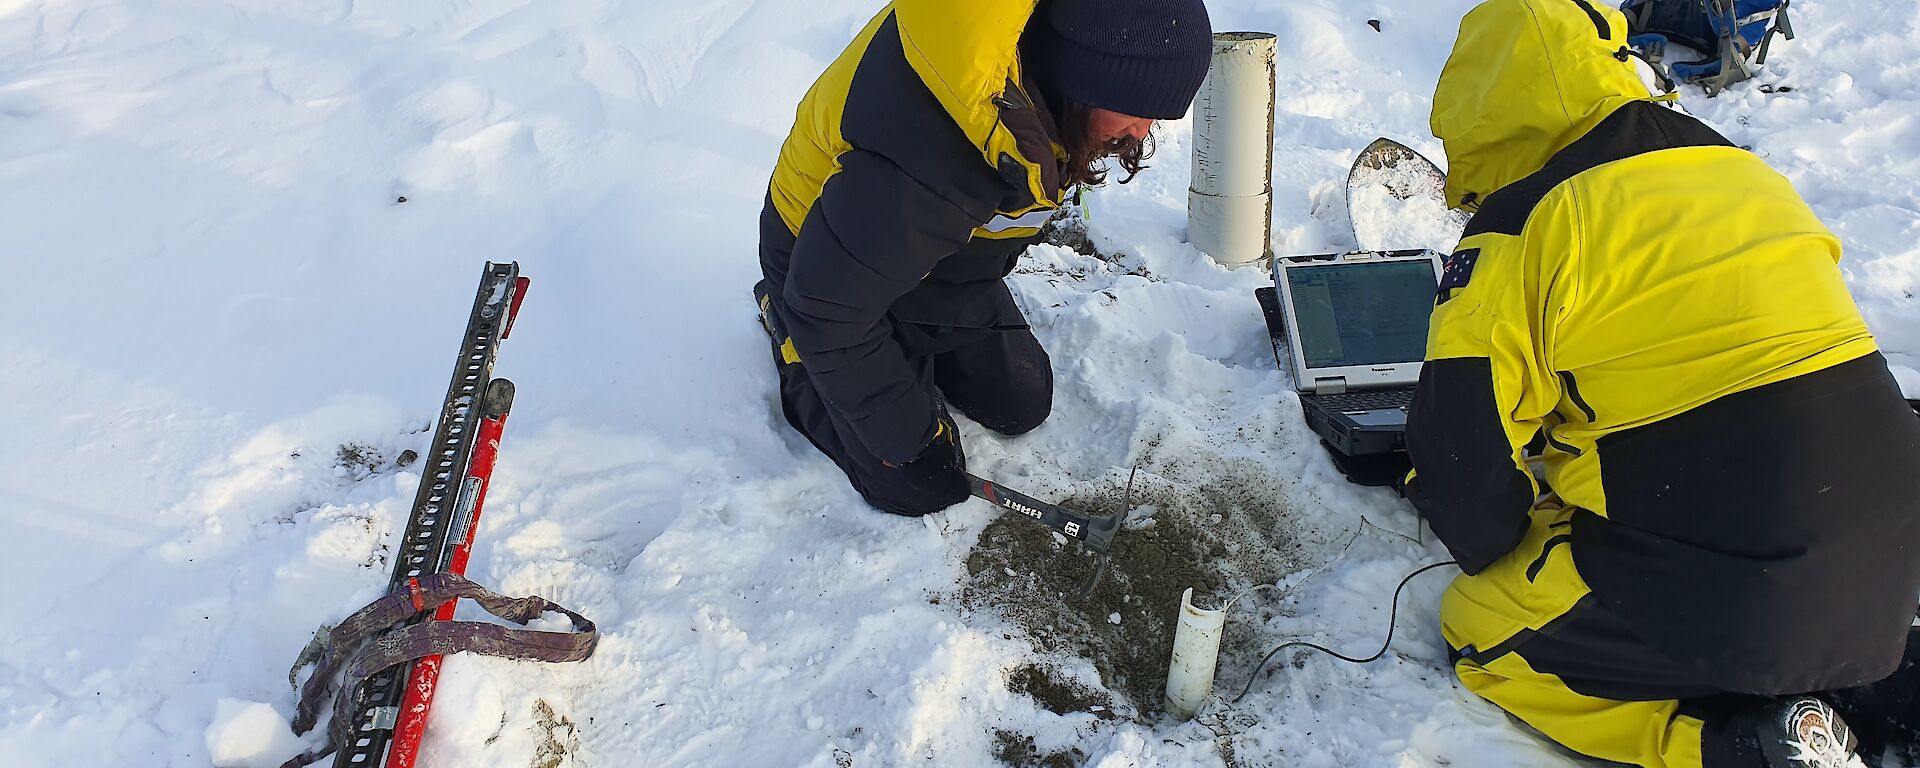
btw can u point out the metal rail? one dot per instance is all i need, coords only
(445, 499)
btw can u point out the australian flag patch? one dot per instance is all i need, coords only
(1457, 270)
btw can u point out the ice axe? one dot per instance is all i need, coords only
(1094, 533)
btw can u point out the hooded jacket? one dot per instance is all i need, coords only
(921, 164)
(1666, 314)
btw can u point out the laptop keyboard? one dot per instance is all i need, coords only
(1367, 401)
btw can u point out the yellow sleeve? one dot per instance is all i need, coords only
(1485, 389)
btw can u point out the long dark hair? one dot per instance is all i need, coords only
(1087, 157)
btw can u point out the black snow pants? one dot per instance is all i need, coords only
(1004, 382)
(1528, 635)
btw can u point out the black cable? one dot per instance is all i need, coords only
(1392, 616)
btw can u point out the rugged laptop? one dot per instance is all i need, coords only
(1352, 329)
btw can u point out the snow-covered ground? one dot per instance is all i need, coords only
(210, 291)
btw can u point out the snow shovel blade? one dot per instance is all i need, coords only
(1396, 198)
(1094, 533)
(1404, 172)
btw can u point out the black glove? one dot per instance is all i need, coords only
(939, 472)
(1384, 469)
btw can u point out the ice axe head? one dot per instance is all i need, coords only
(1094, 533)
(1100, 533)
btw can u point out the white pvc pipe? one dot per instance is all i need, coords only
(1230, 202)
(1196, 651)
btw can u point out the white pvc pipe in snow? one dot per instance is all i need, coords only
(1230, 203)
(1196, 650)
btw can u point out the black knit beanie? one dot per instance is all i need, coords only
(1143, 58)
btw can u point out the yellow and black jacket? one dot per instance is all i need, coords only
(1666, 315)
(920, 166)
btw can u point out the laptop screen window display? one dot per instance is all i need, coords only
(1362, 314)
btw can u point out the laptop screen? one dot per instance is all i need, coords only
(1371, 313)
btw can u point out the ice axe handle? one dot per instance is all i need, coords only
(1096, 533)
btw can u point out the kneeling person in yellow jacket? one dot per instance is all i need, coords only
(921, 165)
(1724, 572)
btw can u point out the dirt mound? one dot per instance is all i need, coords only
(1055, 693)
(1218, 527)
(1017, 749)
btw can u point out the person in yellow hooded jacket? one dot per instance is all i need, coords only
(922, 163)
(1721, 567)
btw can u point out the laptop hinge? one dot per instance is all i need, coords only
(1331, 385)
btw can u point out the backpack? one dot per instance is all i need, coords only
(1733, 34)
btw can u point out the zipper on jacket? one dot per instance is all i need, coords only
(1533, 571)
(1573, 393)
(1560, 446)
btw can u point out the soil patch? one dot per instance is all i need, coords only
(557, 736)
(1222, 534)
(358, 461)
(1017, 749)
(1055, 694)
(1068, 230)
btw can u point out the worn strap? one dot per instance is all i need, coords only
(1667, 85)
(368, 642)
